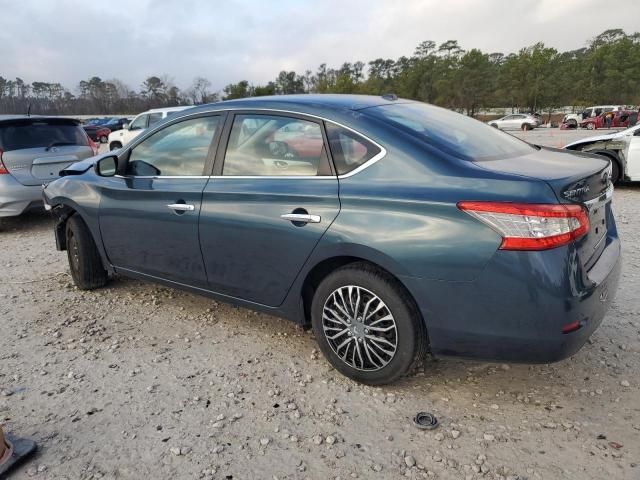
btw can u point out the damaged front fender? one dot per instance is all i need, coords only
(615, 148)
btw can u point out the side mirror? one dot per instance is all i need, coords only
(107, 166)
(125, 126)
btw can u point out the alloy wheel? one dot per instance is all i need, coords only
(359, 328)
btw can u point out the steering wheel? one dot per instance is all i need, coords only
(278, 149)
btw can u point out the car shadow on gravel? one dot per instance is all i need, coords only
(31, 221)
(634, 186)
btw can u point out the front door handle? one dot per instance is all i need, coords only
(301, 217)
(181, 207)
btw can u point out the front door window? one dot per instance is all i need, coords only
(180, 149)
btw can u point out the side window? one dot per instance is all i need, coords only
(139, 123)
(273, 145)
(349, 150)
(177, 150)
(155, 118)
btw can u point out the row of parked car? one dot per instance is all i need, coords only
(591, 118)
(602, 116)
(117, 131)
(99, 129)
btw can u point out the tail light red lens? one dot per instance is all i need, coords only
(93, 146)
(3, 169)
(526, 226)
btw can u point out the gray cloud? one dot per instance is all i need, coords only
(70, 40)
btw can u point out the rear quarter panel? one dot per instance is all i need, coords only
(401, 212)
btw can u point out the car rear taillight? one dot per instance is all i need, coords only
(525, 226)
(93, 145)
(3, 169)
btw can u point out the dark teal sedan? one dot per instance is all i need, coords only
(391, 227)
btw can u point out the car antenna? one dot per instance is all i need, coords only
(390, 96)
(29, 110)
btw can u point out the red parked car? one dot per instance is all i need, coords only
(619, 119)
(97, 133)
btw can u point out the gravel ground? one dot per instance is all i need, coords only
(137, 380)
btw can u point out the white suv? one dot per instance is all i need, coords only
(143, 121)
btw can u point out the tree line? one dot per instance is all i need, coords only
(536, 78)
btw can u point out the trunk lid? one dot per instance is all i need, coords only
(35, 166)
(575, 178)
(35, 149)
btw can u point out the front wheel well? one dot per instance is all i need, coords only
(62, 213)
(329, 265)
(615, 158)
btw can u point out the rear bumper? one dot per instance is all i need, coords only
(516, 309)
(16, 198)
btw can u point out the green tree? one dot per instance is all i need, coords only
(237, 90)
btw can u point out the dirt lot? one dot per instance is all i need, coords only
(140, 381)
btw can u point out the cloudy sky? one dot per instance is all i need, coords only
(229, 40)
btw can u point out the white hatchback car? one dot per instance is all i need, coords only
(516, 121)
(140, 123)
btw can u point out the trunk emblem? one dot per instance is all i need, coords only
(576, 192)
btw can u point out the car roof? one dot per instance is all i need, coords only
(12, 118)
(167, 109)
(341, 109)
(324, 101)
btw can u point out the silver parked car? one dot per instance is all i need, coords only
(516, 121)
(33, 150)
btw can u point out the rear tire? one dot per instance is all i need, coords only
(103, 139)
(526, 127)
(591, 126)
(385, 307)
(85, 264)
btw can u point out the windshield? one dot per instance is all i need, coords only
(451, 132)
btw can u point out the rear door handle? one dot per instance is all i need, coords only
(181, 207)
(301, 217)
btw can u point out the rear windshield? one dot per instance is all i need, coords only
(19, 135)
(451, 132)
